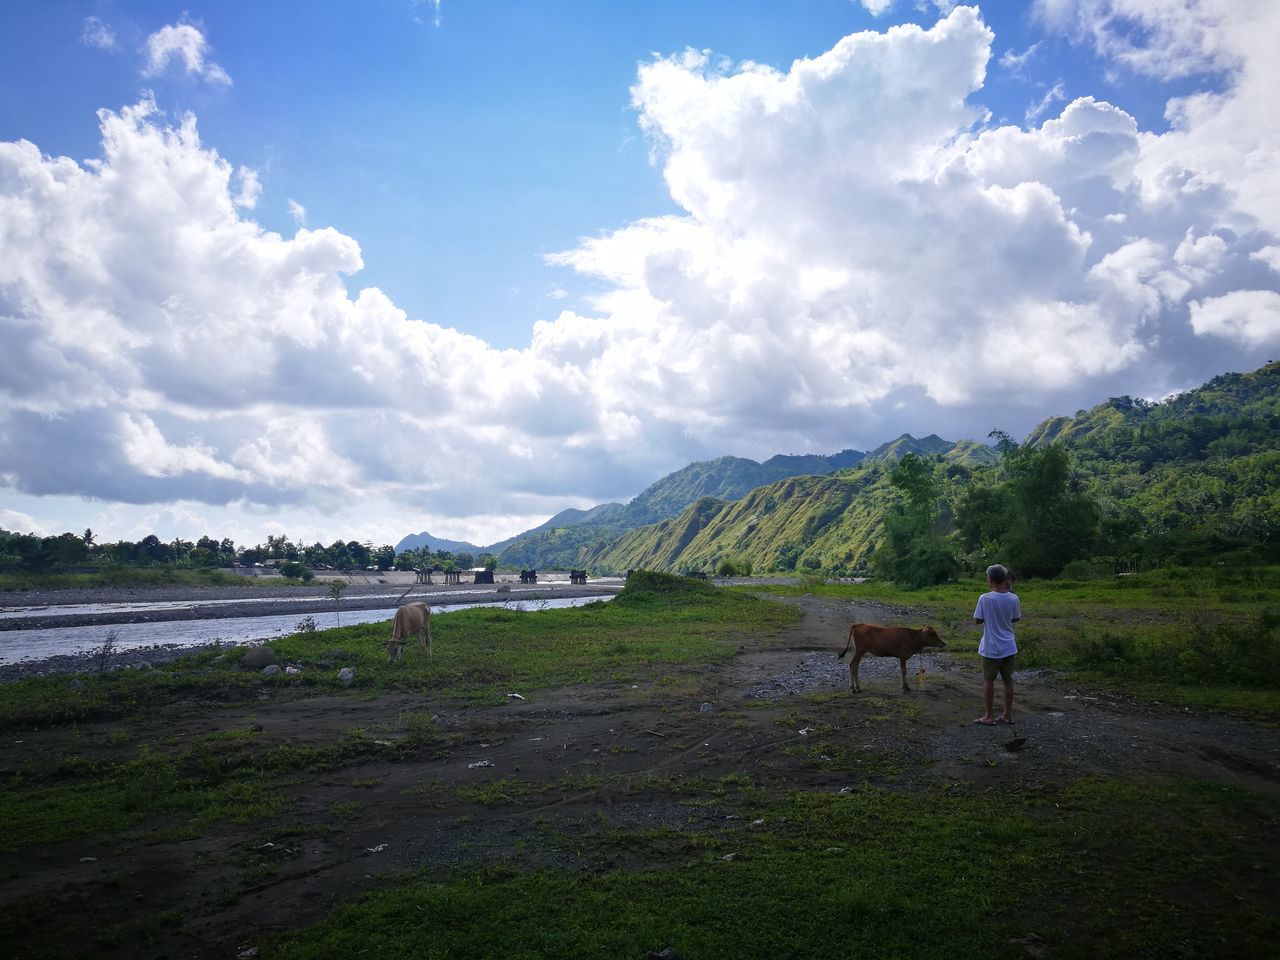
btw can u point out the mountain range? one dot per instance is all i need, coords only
(1207, 460)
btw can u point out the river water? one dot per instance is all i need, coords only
(19, 645)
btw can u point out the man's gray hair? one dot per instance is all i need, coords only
(996, 573)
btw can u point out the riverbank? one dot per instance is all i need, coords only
(43, 609)
(77, 610)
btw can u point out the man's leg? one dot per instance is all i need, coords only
(1008, 699)
(988, 698)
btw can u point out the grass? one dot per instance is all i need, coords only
(870, 874)
(223, 777)
(479, 656)
(1204, 638)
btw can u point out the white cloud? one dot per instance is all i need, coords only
(1055, 94)
(186, 45)
(858, 252)
(250, 188)
(298, 212)
(17, 522)
(97, 34)
(876, 7)
(1250, 317)
(1015, 63)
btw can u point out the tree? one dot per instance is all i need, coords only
(1036, 519)
(489, 562)
(335, 590)
(913, 552)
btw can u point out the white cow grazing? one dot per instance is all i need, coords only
(409, 619)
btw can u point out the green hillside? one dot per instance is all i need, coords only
(574, 535)
(828, 523)
(1194, 477)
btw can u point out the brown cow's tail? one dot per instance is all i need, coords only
(848, 644)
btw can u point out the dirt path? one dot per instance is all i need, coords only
(530, 780)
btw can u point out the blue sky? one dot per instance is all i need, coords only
(589, 243)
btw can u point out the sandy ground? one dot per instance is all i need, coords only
(780, 713)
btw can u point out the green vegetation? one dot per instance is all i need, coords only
(1206, 637)
(1127, 485)
(574, 537)
(914, 552)
(479, 655)
(874, 873)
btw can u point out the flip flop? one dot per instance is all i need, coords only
(1004, 722)
(985, 723)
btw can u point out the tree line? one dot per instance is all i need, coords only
(68, 552)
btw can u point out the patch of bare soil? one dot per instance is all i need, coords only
(532, 781)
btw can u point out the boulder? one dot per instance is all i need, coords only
(271, 669)
(259, 657)
(347, 676)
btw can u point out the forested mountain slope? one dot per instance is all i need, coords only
(566, 540)
(827, 523)
(1193, 477)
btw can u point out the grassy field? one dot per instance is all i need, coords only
(1206, 638)
(874, 873)
(723, 834)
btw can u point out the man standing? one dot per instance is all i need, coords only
(997, 611)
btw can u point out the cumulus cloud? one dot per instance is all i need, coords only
(1251, 317)
(186, 45)
(858, 252)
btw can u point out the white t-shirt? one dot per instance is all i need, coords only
(997, 611)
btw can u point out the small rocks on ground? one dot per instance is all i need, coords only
(347, 676)
(706, 708)
(270, 670)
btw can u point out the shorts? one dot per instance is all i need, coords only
(1003, 666)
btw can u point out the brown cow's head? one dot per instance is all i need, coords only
(931, 638)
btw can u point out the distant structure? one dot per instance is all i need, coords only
(578, 576)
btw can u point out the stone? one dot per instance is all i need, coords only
(75, 684)
(259, 657)
(706, 708)
(271, 669)
(347, 676)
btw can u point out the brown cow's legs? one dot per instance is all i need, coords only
(902, 663)
(853, 673)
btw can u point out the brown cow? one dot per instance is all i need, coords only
(410, 619)
(900, 642)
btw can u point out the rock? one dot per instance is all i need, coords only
(75, 684)
(666, 953)
(503, 589)
(337, 655)
(347, 676)
(258, 657)
(270, 670)
(706, 708)
(256, 728)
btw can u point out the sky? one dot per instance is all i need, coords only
(362, 269)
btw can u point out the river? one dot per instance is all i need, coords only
(22, 645)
